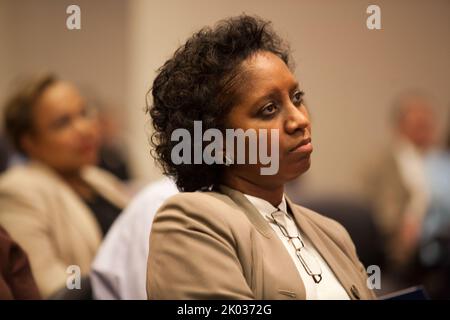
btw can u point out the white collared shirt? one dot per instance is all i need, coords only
(327, 289)
(411, 164)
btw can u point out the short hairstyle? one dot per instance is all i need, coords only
(18, 111)
(199, 83)
(400, 104)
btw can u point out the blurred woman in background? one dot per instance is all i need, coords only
(57, 205)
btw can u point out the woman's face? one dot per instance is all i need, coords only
(272, 99)
(65, 134)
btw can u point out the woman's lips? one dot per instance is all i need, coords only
(303, 147)
(87, 147)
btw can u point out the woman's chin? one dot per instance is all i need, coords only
(299, 168)
(91, 159)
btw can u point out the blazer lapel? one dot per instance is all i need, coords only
(79, 213)
(295, 288)
(104, 187)
(337, 260)
(330, 252)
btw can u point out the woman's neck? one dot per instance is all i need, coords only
(272, 194)
(77, 183)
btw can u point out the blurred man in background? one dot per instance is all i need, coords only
(434, 254)
(400, 191)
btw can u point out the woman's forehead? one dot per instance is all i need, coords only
(60, 96)
(265, 71)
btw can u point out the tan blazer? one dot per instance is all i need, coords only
(211, 245)
(51, 222)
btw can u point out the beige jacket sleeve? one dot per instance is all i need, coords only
(193, 256)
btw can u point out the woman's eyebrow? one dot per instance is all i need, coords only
(294, 86)
(271, 95)
(274, 93)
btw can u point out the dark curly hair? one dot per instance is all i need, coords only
(200, 82)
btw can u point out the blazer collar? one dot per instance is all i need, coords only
(330, 252)
(297, 288)
(85, 221)
(92, 178)
(321, 241)
(249, 209)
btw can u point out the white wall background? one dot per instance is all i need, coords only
(350, 74)
(37, 40)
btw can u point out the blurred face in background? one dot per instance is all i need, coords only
(418, 123)
(65, 133)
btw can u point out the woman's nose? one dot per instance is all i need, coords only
(297, 120)
(83, 125)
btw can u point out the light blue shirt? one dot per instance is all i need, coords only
(438, 172)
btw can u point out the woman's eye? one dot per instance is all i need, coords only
(297, 98)
(269, 109)
(61, 122)
(88, 112)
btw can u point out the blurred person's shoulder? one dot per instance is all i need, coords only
(128, 240)
(139, 213)
(381, 168)
(384, 155)
(94, 173)
(35, 179)
(106, 184)
(153, 195)
(28, 176)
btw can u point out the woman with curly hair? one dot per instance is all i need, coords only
(233, 233)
